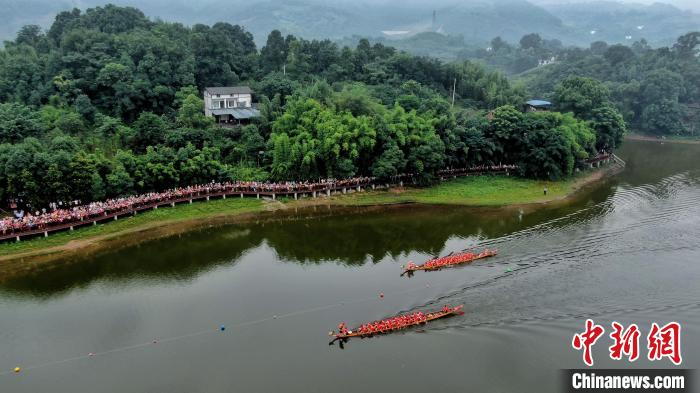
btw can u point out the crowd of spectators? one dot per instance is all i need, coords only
(500, 168)
(73, 212)
(66, 213)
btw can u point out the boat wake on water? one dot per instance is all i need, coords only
(638, 237)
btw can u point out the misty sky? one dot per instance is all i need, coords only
(683, 4)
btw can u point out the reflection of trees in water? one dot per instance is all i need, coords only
(351, 236)
(179, 258)
(649, 161)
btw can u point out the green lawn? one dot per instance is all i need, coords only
(182, 212)
(477, 191)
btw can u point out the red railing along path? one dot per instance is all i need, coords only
(241, 190)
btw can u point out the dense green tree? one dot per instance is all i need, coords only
(531, 41)
(599, 47)
(223, 54)
(662, 85)
(252, 144)
(18, 122)
(618, 54)
(191, 113)
(663, 118)
(30, 35)
(64, 120)
(117, 80)
(609, 127)
(277, 83)
(274, 54)
(113, 19)
(581, 95)
(119, 182)
(149, 130)
(156, 170)
(506, 131)
(199, 166)
(498, 44)
(81, 170)
(391, 162)
(688, 45)
(83, 106)
(317, 141)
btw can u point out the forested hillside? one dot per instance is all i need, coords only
(107, 102)
(657, 90)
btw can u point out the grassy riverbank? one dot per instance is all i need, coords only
(160, 217)
(472, 191)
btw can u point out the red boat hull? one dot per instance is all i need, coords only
(431, 316)
(451, 260)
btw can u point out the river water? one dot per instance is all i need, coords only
(625, 250)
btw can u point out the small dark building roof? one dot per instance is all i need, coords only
(539, 103)
(228, 90)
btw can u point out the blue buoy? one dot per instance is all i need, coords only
(222, 328)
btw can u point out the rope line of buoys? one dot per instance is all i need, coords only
(220, 328)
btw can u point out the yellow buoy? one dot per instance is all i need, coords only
(17, 369)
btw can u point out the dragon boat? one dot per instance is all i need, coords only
(448, 261)
(393, 324)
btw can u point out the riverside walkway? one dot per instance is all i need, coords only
(223, 190)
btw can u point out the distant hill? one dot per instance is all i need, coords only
(660, 24)
(477, 21)
(509, 19)
(16, 14)
(291, 17)
(431, 44)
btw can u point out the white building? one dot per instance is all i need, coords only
(229, 104)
